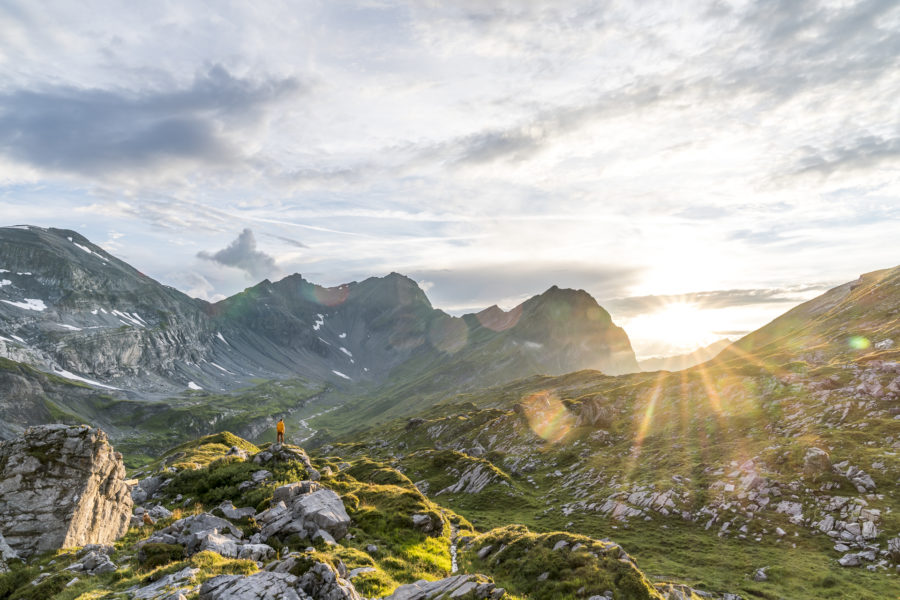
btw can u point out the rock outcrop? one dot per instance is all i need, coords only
(320, 582)
(61, 486)
(304, 509)
(467, 586)
(6, 554)
(208, 532)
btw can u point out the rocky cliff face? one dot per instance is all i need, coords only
(61, 486)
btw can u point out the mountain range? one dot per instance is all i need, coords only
(764, 468)
(74, 312)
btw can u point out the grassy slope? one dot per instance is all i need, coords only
(380, 501)
(793, 385)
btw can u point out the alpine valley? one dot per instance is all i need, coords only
(516, 454)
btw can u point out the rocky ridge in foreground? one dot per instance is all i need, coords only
(222, 519)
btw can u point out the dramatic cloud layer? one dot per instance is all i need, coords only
(643, 151)
(93, 132)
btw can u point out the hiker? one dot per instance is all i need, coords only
(279, 429)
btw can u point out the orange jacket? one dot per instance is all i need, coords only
(280, 427)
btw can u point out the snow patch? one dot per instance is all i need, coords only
(324, 341)
(69, 327)
(5, 282)
(219, 335)
(17, 338)
(127, 317)
(339, 374)
(221, 368)
(73, 376)
(138, 317)
(194, 386)
(28, 304)
(94, 312)
(25, 273)
(319, 322)
(4, 270)
(533, 345)
(347, 352)
(343, 335)
(89, 251)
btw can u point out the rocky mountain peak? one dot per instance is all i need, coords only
(560, 304)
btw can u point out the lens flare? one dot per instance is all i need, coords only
(859, 342)
(547, 416)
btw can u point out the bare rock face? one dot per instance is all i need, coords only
(61, 486)
(6, 554)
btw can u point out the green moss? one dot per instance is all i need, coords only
(519, 559)
(152, 556)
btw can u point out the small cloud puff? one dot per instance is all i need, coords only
(242, 254)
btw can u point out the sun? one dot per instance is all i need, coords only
(677, 327)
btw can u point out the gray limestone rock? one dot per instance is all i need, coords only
(322, 582)
(305, 513)
(236, 514)
(451, 587)
(259, 586)
(6, 554)
(61, 486)
(200, 532)
(428, 524)
(166, 587)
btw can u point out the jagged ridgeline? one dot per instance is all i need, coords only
(220, 518)
(88, 338)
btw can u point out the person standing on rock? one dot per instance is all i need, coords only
(279, 430)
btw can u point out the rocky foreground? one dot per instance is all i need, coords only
(59, 487)
(220, 519)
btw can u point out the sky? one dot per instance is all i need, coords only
(698, 167)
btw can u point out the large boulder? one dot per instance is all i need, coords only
(259, 586)
(304, 509)
(61, 486)
(319, 582)
(208, 532)
(468, 586)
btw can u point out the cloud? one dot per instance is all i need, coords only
(242, 254)
(287, 240)
(638, 305)
(863, 152)
(525, 139)
(97, 132)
